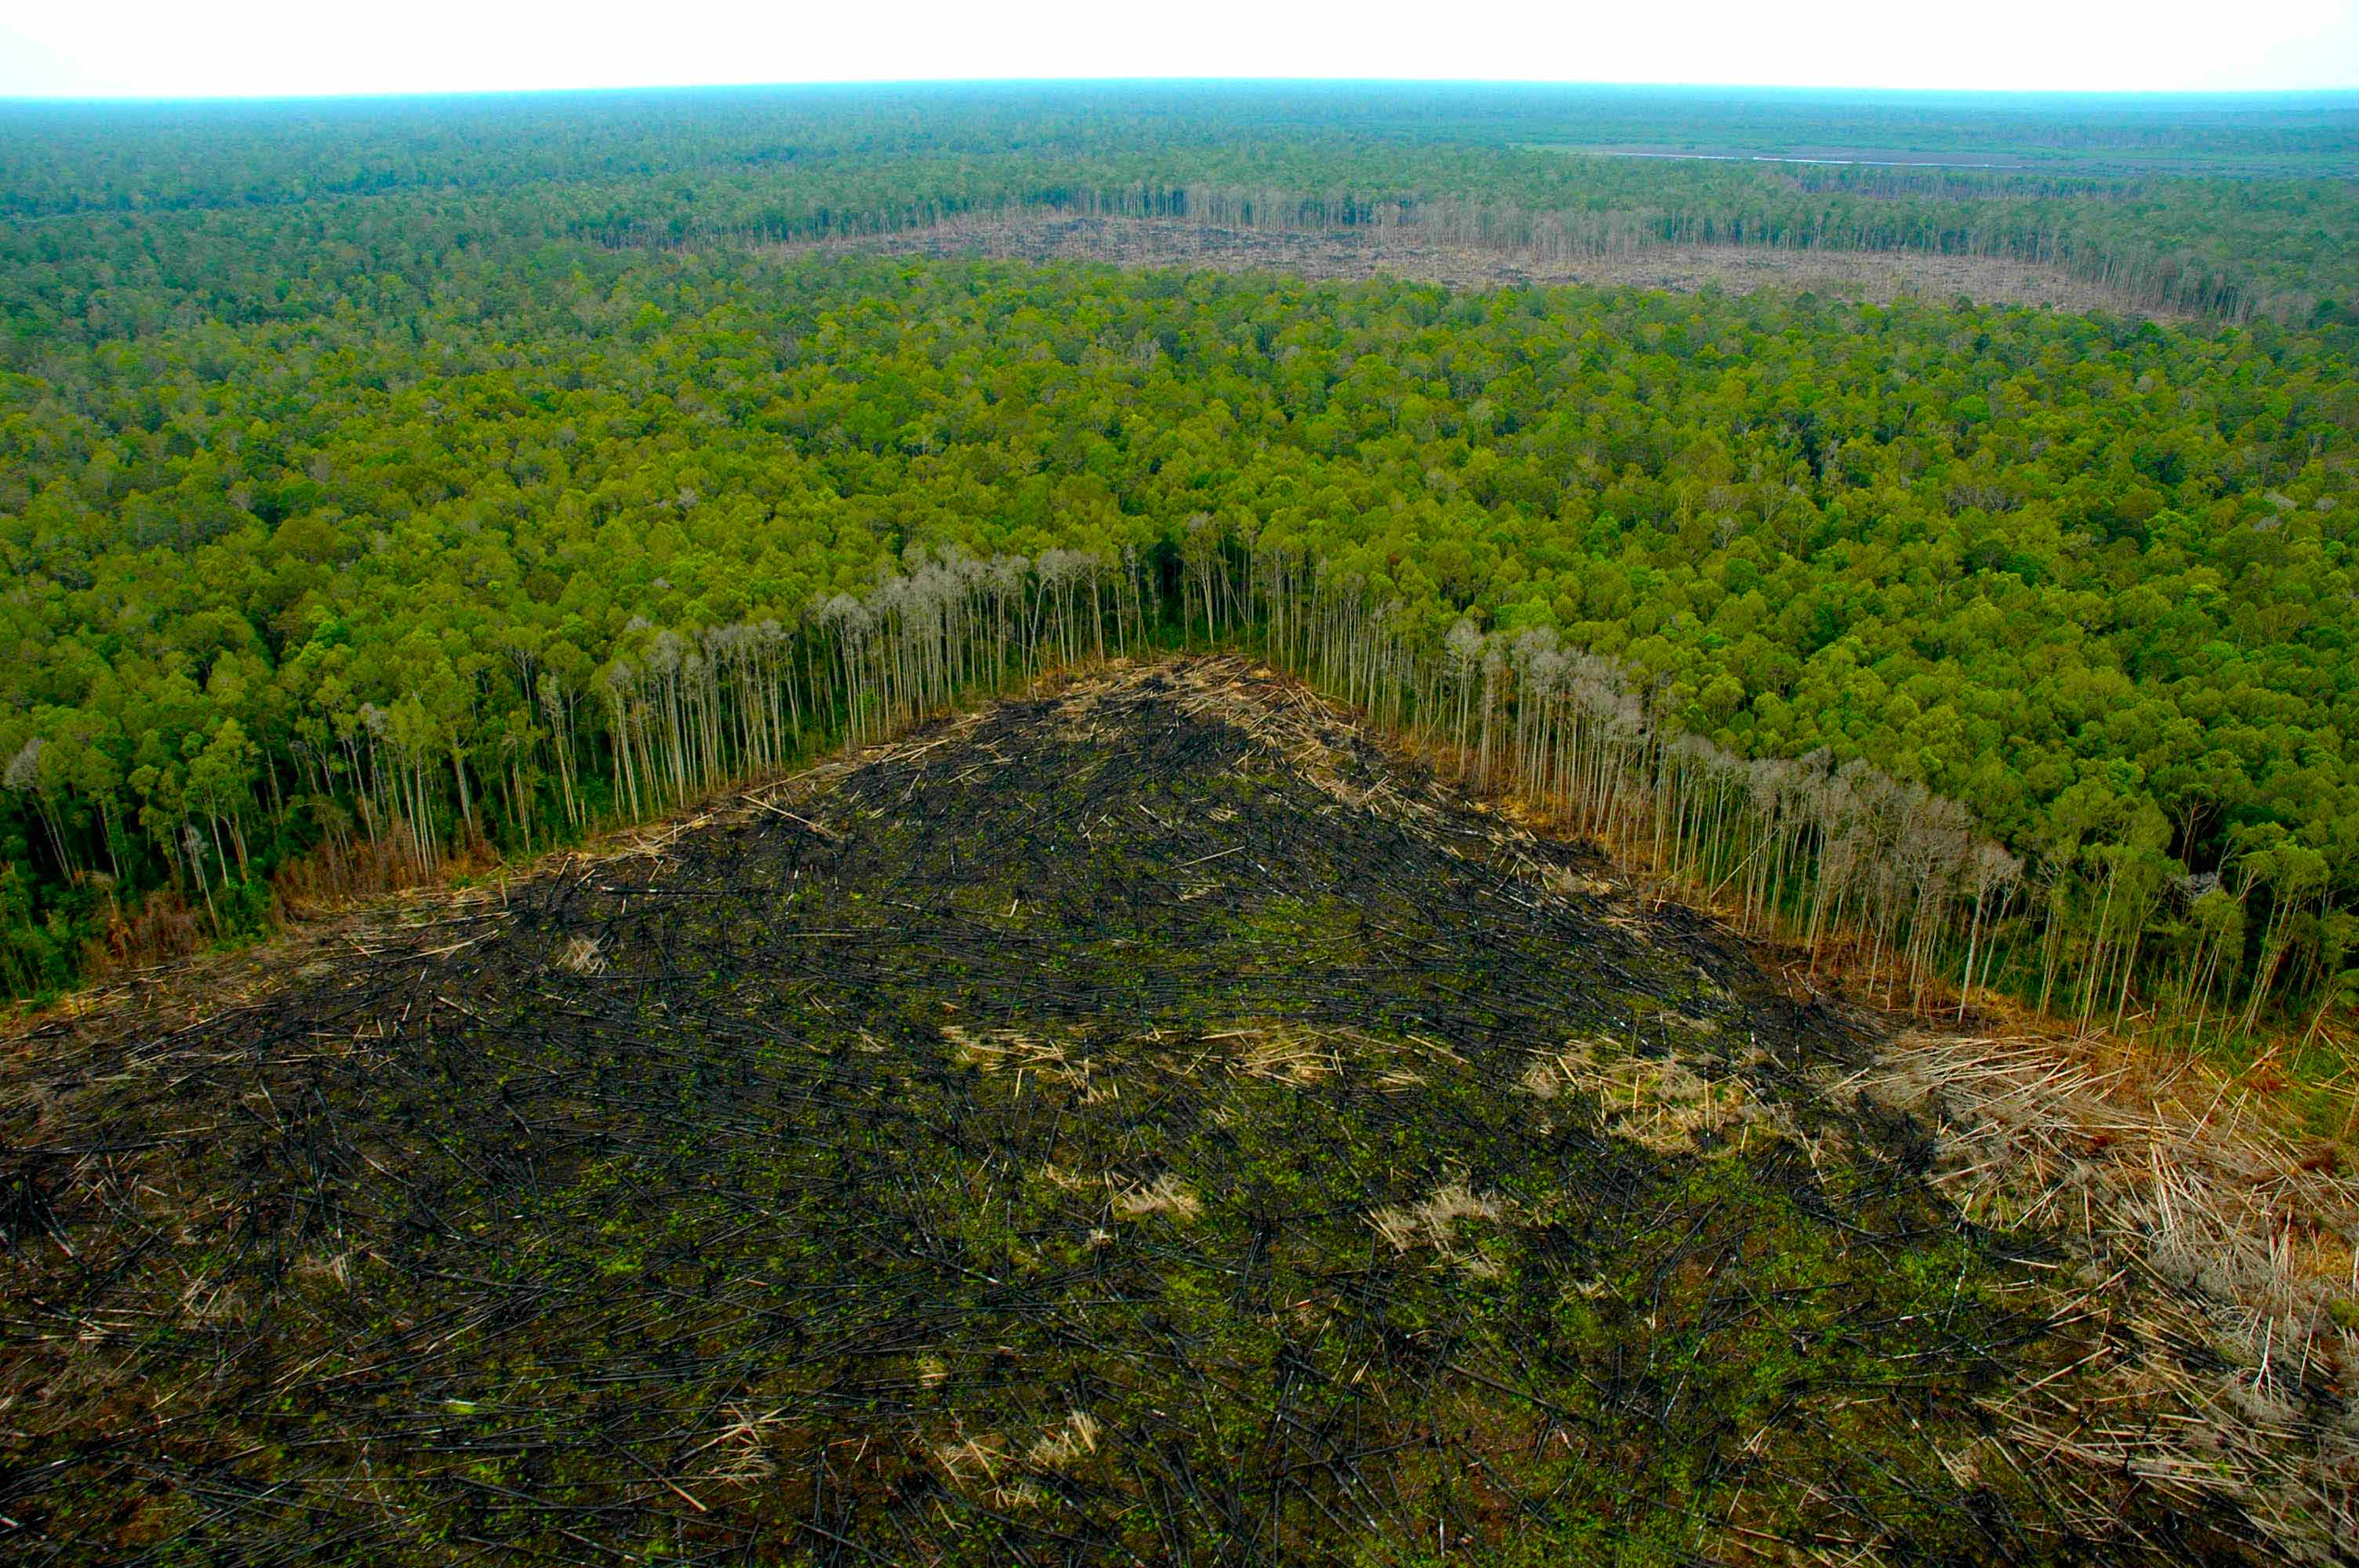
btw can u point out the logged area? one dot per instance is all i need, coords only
(1407, 252)
(1139, 1121)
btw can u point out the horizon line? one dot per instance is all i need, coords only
(2241, 94)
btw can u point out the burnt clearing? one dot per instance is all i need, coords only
(1141, 1122)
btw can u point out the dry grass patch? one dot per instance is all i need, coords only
(580, 956)
(1029, 1056)
(1068, 1442)
(740, 1453)
(1165, 1195)
(988, 1464)
(1666, 1103)
(1433, 1220)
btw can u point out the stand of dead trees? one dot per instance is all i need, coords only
(1863, 871)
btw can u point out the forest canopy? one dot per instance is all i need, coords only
(384, 479)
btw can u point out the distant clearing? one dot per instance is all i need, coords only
(1876, 157)
(1880, 276)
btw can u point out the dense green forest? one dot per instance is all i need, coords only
(382, 482)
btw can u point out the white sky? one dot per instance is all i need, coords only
(239, 48)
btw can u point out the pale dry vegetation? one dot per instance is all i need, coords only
(1880, 276)
(2246, 1246)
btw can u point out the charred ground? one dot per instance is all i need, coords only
(1140, 1123)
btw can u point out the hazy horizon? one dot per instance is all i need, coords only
(145, 50)
(2335, 98)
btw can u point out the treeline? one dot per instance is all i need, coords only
(669, 718)
(1881, 875)
(2227, 249)
(2184, 282)
(564, 534)
(1889, 878)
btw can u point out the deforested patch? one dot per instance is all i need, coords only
(1145, 1121)
(1363, 251)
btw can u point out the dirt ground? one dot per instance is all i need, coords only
(1880, 276)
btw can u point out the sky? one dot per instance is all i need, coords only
(290, 47)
